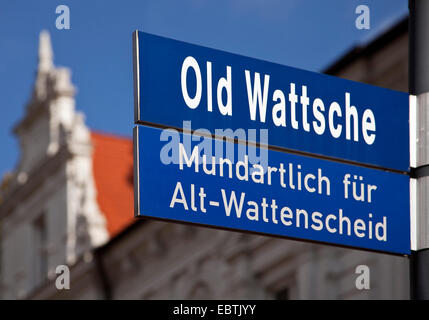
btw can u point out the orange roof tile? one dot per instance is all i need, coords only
(112, 161)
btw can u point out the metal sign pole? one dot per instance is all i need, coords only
(419, 86)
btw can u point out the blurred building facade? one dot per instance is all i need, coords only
(60, 207)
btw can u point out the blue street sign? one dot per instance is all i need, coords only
(200, 180)
(302, 111)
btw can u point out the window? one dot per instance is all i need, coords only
(282, 294)
(40, 263)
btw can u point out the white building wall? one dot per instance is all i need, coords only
(54, 179)
(18, 252)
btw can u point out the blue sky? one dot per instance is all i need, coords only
(308, 34)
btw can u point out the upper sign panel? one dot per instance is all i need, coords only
(302, 111)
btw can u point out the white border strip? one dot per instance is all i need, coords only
(136, 66)
(136, 171)
(413, 213)
(413, 131)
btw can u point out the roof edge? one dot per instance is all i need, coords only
(368, 49)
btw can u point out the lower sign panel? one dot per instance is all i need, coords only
(232, 186)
